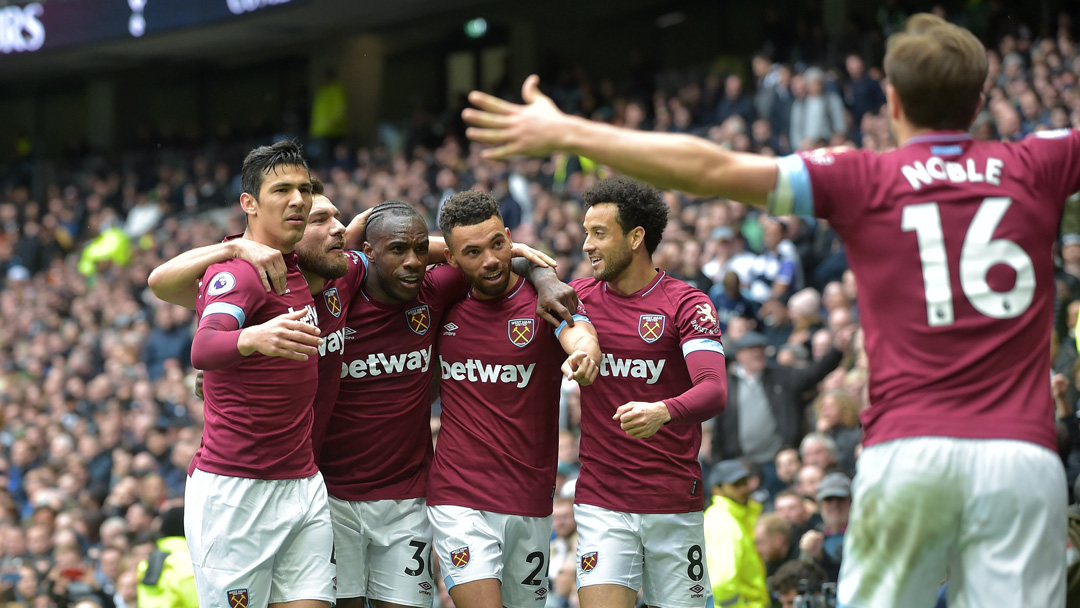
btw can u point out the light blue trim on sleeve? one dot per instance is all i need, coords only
(702, 344)
(576, 318)
(224, 308)
(793, 194)
(363, 258)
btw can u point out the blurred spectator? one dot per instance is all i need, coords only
(825, 546)
(735, 568)
(167, 579)
(764, 413)
(837, 414)
(789, 579)
(771, 535)
(818, 116)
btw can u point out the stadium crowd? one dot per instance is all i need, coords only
(98, 414)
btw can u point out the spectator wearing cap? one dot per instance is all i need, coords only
(764, 412)
(735, 569)
(825, 546)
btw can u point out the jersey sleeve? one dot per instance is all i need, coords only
(699, 338)
(232, 289)
(446, 285)
(358, 268)
(1054, 157)
(825, 183)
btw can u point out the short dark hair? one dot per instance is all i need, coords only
(638, 205)
(264, 159)
(467, 208)
(788, 576)
(317, 187)
(383, 212)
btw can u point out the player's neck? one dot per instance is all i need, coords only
(373, 288)
(265, 239)
(635, 277)
(315, 282)
(510, 285)
(904, 130)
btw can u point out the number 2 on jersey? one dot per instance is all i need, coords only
(979, 253)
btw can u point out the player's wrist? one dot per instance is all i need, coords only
(245, 344)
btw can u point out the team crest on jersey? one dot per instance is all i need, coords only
(419, 319)
(333, 301)
(521, 331)
(588, 561)
(223, 282)
(651, 327)
(459, 558)
(238, 598)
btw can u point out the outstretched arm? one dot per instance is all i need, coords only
(680, 162)
(177, 281)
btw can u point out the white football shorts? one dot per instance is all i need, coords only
(474, 545)
(259, 541)
(383, 550)
(612, 546)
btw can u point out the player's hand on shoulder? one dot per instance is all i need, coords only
(283, 336)
(268, 263)
(556, 302)
(580, 368)
(356, 231)
(541, 259)
(641, 419)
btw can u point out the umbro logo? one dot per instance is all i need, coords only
(349, 333)
(449, 329)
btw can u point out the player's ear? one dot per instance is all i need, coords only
(248, 203)
(369, 251)
(450, 258)
(509, 239)
(637, 237)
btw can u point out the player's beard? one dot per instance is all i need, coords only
(494, 290)
(324, 264)
(614, 263)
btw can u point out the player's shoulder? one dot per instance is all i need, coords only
(586, 286)
(230, 275)
(679, 291)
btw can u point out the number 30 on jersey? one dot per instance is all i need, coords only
(979, 253)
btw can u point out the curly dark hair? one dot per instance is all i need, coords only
(467, 208)
(264, 159)
(383, 212)
(638, 204)
(789, 574)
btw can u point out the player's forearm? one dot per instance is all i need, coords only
(706, 399)
(215, 348)
(177, 281)
(582, 336)
(536, 275)
(436, 247)
(670, 161)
